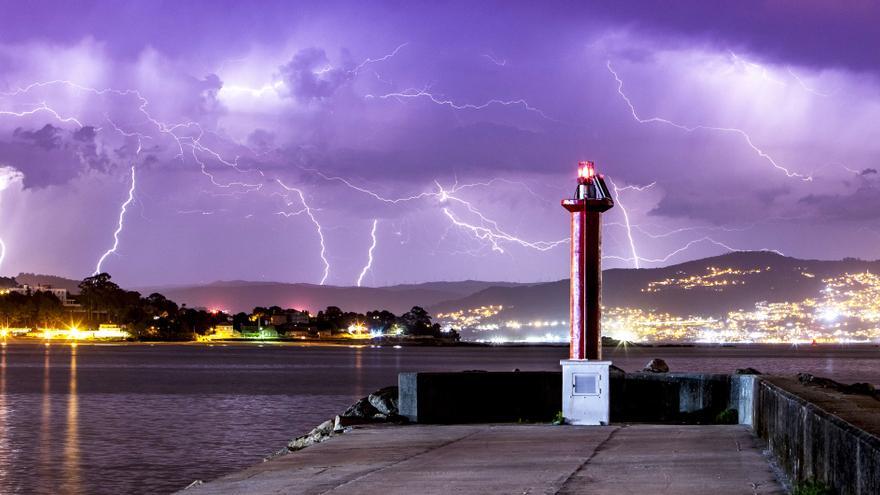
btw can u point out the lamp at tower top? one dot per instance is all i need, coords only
(591, 192)
(586, 171)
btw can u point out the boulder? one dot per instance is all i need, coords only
(323, 429)
(338, 426)
(361, 409)
(816, 381)
(384, 400)
(861, 388)
(856, 388)
(277, 453)
(317, 435)
(381, 405)
(656, 365)
(614, 370)
(747, 371)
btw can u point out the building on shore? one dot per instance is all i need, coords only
(104, 332)
(25, 289)
(221, 332)
(259, 332)
(290, 317)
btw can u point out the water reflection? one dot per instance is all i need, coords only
(45, 438)
(71, 450)
(358, 375)
(5, 457)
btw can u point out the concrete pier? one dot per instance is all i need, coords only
(521, 459)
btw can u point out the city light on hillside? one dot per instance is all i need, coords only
(845, 310)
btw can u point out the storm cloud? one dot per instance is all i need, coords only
(455, 126)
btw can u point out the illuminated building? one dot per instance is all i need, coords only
(358, 331)
(290, 317)
(222, 332)
(73, 332)
(259, 333)
(61, 294)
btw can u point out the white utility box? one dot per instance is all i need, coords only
(586, 392)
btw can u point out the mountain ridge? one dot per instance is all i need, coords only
(624, 287)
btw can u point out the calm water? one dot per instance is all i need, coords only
(110, 419)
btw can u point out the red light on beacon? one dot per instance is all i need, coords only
(586, 170)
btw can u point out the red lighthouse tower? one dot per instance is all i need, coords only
(590, 200)
(586, 387)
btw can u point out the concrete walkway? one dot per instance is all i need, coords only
(516, 459)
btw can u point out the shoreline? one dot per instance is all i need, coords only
(429, 344)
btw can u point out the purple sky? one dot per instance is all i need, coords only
(453, 129)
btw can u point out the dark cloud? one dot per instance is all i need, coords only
(868, 171)
(861, 205)
(41, 166)
(51, 155)
(310, 76)
(47, 137)
(812, 33)
(479, 149)
(207, 89)
(719, 204)
(85, 134)
(261, 140)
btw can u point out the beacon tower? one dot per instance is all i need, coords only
(585, 394)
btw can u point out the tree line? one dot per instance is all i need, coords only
(156, 317)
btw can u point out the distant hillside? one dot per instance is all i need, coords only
(770, 277)
(72, 286)
(243, 296)
(783, 281)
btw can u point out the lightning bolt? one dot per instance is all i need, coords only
(175, 132)
(689, 129)
(499, 62)
(42, 107)
(425, 94)
(765, 74)
(369, 60)
(807, 88)
(488, 230)
(7, 176)
(188, 136)
(119, 226)
(496, 236)
(369, 264)
(690, 229)
(689, 245)
(308, 211)
(276, 86)
(636, 259)
(617, 196)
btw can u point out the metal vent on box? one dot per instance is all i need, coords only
(586, 384)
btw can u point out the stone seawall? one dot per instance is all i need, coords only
(811, 434)
(484, 397)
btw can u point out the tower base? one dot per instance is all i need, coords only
(586, 392)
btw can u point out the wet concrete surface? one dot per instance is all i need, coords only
(516, 459)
